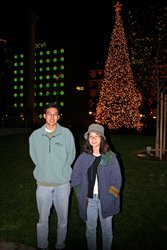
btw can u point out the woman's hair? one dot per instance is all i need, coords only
(104, 146)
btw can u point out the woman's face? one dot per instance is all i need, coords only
(94, 139)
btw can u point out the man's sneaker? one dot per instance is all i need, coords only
(62, 247)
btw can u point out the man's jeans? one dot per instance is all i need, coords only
(46, 197)
(93, 211)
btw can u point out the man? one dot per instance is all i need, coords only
(52, 150)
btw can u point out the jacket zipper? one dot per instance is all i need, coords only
(49, 145)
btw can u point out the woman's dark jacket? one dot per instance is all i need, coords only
(109, 183)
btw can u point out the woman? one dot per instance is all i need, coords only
(96, 179)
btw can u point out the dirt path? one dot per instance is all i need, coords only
(14, 246)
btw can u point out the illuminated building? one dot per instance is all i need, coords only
(49, 79)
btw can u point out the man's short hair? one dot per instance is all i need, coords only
(51, 105)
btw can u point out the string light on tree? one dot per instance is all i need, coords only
(119, 100)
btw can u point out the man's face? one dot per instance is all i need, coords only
(51, 116)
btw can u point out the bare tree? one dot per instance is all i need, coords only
(148, 53)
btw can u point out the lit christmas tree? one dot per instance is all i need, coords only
(119, 100)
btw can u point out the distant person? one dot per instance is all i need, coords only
(52, 149)
(96, 179)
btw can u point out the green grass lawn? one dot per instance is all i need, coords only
(142, 223)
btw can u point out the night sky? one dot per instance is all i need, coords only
(85, 25)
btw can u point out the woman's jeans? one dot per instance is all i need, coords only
(93, 211)
(46, 197)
